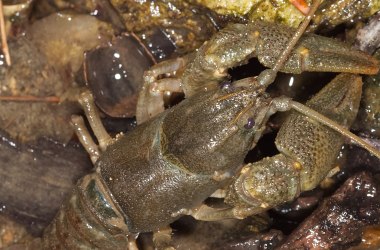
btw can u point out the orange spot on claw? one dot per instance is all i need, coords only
(301, 5)
(297, 166)
(304, 51)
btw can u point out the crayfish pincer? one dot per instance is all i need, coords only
(234, 46)
(169, 165)
(308, 151)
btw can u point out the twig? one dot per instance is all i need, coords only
(29, 98)
(4, 43)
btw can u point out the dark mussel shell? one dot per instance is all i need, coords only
(115, 74)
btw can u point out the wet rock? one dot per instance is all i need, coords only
(35, 181)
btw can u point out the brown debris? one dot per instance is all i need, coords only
(11, 232)
(337, 223)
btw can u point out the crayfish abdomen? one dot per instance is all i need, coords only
(88, 220)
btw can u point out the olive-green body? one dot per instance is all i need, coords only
(172, 162)
(145, 179)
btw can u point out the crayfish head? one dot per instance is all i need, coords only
(213, 131)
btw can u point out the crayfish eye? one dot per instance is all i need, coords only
(250, 123)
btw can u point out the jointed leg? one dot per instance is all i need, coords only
(132, 245)
(206, 213)
(86, 100)
(150, 102)
(162, 238)
(85, 138)
(220, 193)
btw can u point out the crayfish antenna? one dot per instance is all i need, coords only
(335, 126)
(268, 76)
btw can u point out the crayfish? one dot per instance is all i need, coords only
(171, 163)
